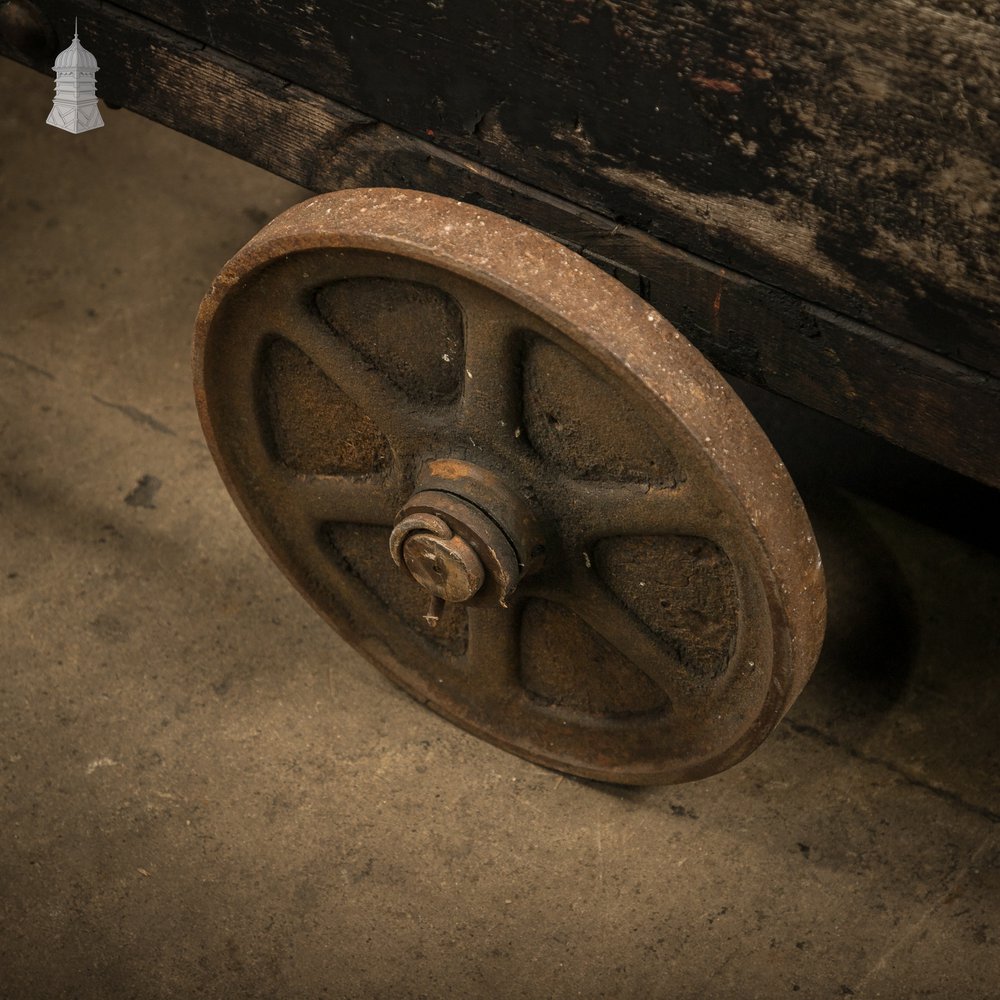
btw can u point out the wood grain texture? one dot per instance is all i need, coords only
(928, 404)
(847, 152)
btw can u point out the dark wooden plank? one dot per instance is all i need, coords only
(848, 152)
(927, 404)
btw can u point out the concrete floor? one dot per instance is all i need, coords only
(204, 792)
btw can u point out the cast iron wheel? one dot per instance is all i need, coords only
(511, 484)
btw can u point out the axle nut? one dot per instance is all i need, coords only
(445, 567)
(443, 563)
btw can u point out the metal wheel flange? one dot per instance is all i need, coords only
(510, 483)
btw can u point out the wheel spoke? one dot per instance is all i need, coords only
(596, 510)
(491, 398)
(586, 598)
(344, 499)
(388, 407)
(493, 653)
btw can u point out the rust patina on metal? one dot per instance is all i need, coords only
(513, 485)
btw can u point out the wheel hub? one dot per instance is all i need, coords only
(462, 529)
(440, 561)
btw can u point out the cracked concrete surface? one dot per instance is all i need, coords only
(204, 792)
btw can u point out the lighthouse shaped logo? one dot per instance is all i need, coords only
(75, 106)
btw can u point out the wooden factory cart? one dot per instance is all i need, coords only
(456, 398)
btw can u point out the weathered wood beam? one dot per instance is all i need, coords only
(847, 152)
(866, 377)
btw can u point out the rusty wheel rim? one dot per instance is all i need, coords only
(669, 603)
